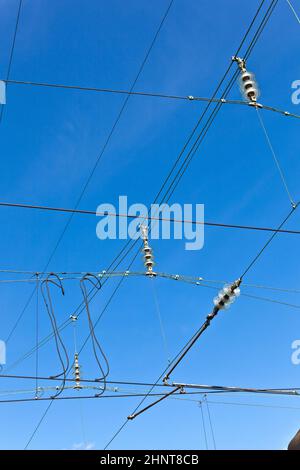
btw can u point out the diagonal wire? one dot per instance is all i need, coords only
(38, 424)
(161, 323)
(293, 10)
(203, 425)
(276, 160)
(269, 241)
(210, 422)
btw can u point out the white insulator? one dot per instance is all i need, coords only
(227, 296)
(147, 250)
(249, 86)
(246, 76)
(237, 292)
(77, 368)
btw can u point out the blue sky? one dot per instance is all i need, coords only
(50, 140)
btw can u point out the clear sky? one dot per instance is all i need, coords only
(49, 141)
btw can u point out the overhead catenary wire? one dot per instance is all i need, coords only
(190, 279)
(162, 396)
(147, 218)
(178, 396)
(189, 98)
(293, 391)
(42, 389)
(47, 378)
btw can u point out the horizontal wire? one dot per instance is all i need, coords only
(198, 280)
(201, 284)
(273, 391)
(262, 405)
(34, 377)
(152, 95)
(130, 395)
(216, 388)
(84, 397)
(143, 217)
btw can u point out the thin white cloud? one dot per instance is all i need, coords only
(83, 446)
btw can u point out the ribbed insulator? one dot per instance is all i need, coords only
(227, 296)
(249, 86)
(147, 251)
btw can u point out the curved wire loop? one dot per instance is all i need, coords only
(96, 283)
(62, 353)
